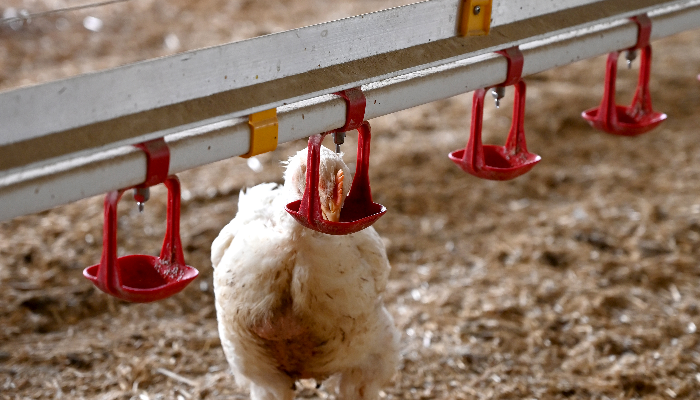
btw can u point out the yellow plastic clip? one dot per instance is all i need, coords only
(475, 17)
(263, 132)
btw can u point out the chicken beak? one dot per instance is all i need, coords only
(331, 211)
(329, 214)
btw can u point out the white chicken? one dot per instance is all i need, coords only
(293, 303)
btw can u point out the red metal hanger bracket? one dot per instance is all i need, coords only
(515, 60)
(643, 31)
(356, 104)
(355, 111)
(157, 161)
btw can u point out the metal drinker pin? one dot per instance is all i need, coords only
(498, 93)
(630, 56)
(141, 196)
(338, 139)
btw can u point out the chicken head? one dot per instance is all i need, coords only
(332, 187)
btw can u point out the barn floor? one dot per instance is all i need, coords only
(579, 280)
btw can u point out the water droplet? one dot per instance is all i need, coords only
(427, 339)
(254, 164)
(186, 195)
(415, 294)
(172, 42)
(93, 24)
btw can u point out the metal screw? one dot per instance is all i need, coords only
(477, 10)
(631, 56)
(498, 93)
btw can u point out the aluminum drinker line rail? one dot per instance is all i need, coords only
(59, 183)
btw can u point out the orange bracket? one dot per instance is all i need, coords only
(475, 17)
(263, 132)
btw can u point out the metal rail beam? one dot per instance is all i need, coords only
(66, 181)
(156, 83)
(142, 101)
